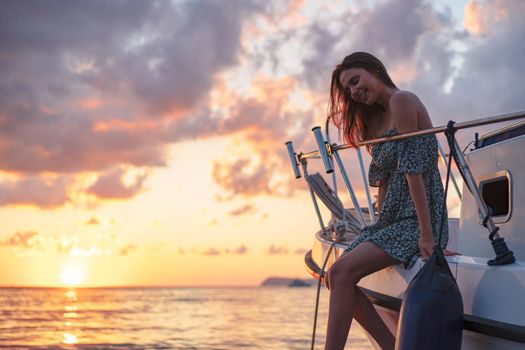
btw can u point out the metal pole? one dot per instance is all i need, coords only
(462, 125)
(349, 187)
(327, 136)
(316, 206)
(334, 182)
(293, 159)
(367, 189)
(438, 129)
(443, 158)
(321, 144)
(475, 191)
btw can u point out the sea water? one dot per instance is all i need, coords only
(165, 318)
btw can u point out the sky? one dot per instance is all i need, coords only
(142, 142)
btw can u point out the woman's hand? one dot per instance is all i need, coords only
(426, 246)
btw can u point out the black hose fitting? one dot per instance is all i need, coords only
(503, 254)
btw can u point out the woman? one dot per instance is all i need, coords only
(366, 104)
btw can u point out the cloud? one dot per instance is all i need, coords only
(92, 221)
(44, 53)
(459, 70)
(128, 249)
(26, 240)
(283, 250)
(482, 16)
(300, 251)
(31, 242)
(211, 252)
(410, 18)
(87, 86)
(491, 79)
(35, 191)
(245, 209)
(418, 50)
(277, 250)
(110, 185)
(103, 86)
(259, 124)
(241, 250)
(236, 179)
(74, 99)
(205, 40)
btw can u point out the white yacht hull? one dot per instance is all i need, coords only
(494, 316)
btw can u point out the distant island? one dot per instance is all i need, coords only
(288, 282)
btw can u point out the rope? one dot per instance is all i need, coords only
(348, 223)
(487, 217)
(328, 196)
(449, 133)
(321, 275)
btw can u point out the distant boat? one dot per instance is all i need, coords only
(285, 282)
(299, 283)
(493, 296)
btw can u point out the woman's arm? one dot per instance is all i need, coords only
(404, 115)
(381, 194)
(417, 191)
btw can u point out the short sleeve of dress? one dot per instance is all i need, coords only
(375, 175)
(417, 154)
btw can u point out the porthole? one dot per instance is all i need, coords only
(496, 191)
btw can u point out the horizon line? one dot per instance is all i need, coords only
(124, 286)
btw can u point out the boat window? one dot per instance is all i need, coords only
(496, 193)
(502, 135)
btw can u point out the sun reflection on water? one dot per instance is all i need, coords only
(70, 313)
(70, 339)
(71, 294)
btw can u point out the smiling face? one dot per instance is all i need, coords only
(362, 85)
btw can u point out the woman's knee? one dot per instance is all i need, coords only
(341, 275)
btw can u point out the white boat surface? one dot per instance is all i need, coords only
(493, 296)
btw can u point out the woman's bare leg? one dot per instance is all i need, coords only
(367, 316)
(344, 275)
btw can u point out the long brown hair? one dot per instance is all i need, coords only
(348, 115)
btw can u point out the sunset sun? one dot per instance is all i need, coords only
(73, 275)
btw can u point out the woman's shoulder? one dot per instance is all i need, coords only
(404, 97)
(408, 112)
(404, 111)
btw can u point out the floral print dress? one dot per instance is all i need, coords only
(397, 229)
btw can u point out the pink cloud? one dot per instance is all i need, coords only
(300, 251)
(114, 101)
(92, 221)
(110, 186)
(482, 16)
(128, 249)
(35, 191)
(243, 210)
(240, 250)
(277, 250)
(211, 252)
(25, 240)
(234, 179)
(110, 100)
